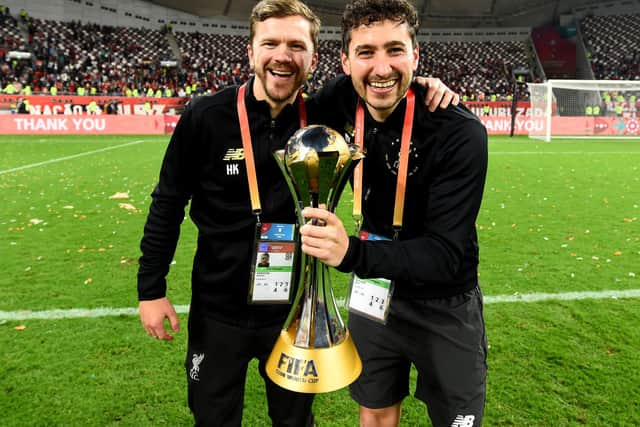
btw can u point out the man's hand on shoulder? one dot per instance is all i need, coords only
(438, 94)
(153, 314)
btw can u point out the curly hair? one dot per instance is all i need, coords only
(367, 12)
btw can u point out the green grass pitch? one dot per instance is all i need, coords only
(557, 218)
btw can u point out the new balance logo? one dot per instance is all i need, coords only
(463, 421)
(234, 154)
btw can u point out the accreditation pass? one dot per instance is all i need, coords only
(370, 297)
(273, 264)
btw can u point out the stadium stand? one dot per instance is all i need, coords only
(478, 70)
(10, 35)
(104, 59)
(328, 64)
(614, 45)
(118, 60)
(12, 69)
(213, 61)
(557, 53)
(108, 60)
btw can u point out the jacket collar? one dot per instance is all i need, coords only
(262, 107)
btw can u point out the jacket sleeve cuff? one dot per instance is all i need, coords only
(349, 261)
(150, 288)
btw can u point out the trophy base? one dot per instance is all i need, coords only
(313, 370)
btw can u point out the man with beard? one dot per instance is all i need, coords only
(220, 158)
(418, 299)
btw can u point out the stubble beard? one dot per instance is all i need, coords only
(277, 94)
(387, 103)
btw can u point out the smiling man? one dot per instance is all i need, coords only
(381, 72)
(281, 61)
(415, 297)
(207, 162)
(220, 158)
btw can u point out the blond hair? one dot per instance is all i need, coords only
(281, 9)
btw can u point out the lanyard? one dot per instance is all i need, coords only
(248, 149)
(402, 168)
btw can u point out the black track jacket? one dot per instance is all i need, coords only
(436, 254)
(204, 163)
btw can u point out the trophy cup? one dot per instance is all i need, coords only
(314, 352)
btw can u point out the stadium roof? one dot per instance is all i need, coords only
(434, 13)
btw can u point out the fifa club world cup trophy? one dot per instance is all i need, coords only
(314, 352)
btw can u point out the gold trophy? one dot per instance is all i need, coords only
(314, 352)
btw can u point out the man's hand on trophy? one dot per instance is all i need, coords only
(328, 242)
(438, 94)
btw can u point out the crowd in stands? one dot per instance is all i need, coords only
(478, 71)
(98, 59)
(90, 59)
(613, 43)
(218, 60)
(614, 104)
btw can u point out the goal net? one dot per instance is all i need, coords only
(584, 109)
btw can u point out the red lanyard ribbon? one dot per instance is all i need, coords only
(248, 149)
(403, 166)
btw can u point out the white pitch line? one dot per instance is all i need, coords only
(76, 313)
(74, 156)
(565, 296)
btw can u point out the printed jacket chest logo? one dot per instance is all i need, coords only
(231, 157)
(234, 154)
(392, 158)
